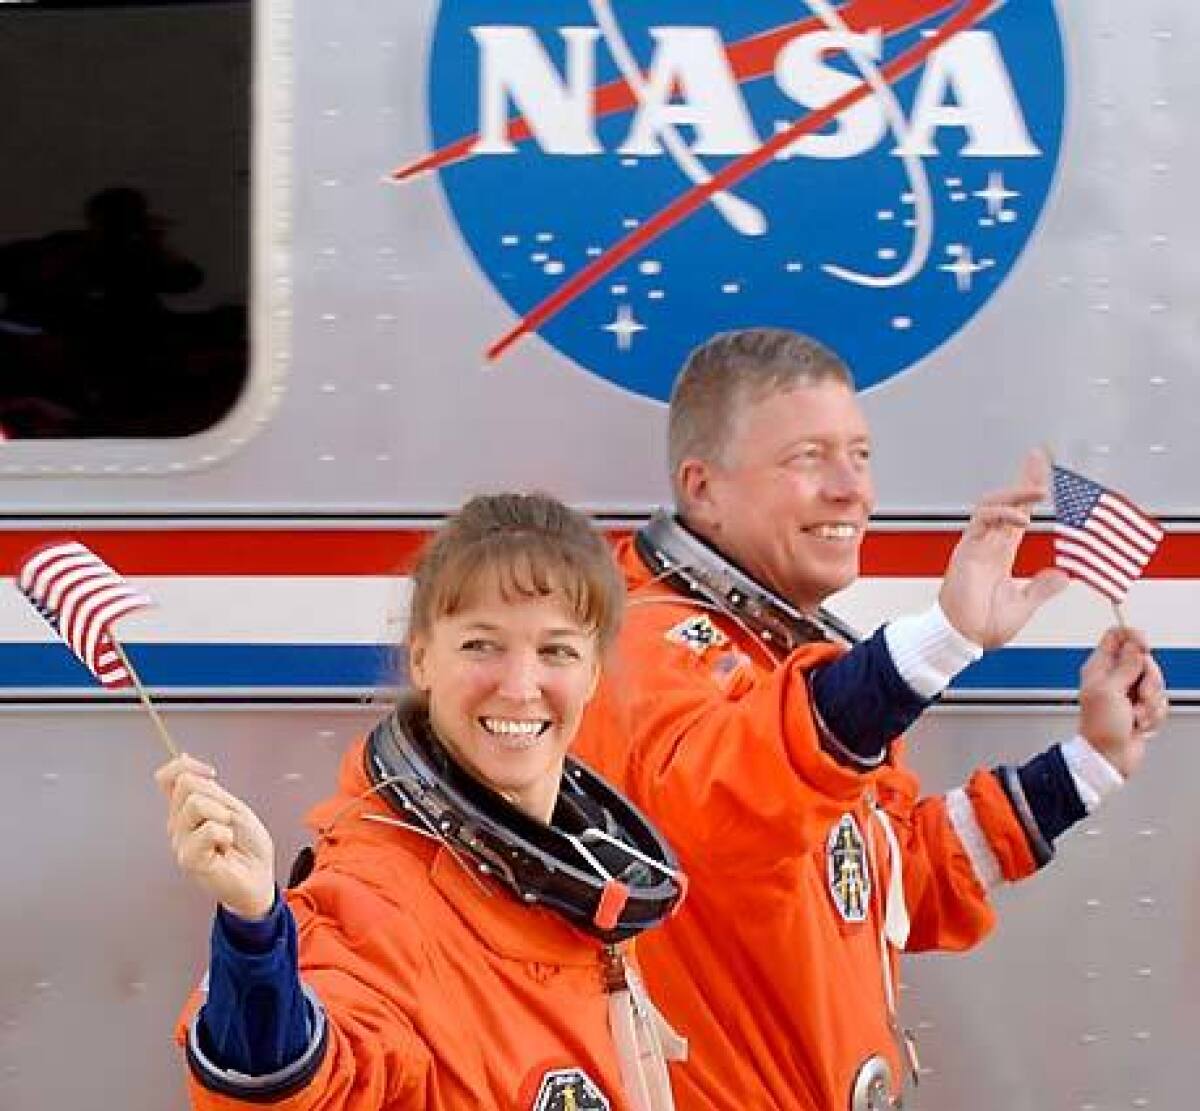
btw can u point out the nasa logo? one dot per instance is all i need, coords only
(632, 180)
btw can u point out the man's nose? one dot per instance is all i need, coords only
(845, 479)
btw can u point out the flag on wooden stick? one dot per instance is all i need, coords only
(1100, 536)
(82, 597)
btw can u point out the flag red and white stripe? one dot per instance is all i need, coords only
(1100, 536)
(81, 597)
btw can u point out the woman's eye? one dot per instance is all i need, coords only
(560, 652)
(479, 646)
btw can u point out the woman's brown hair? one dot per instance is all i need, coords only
(530, 546)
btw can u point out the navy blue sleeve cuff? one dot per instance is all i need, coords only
(248, 936)
(1051, 793)
(863, 703)
(255, 1020)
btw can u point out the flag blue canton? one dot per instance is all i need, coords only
(1074, 497)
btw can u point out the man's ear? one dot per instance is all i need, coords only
(417, 657)
(694, 488)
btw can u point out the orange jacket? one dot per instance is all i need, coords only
(442, 994)
(780, 994)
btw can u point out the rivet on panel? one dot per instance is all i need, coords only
(1141, 1101)
(1103, 449)
(327, 458)
(1157, 380)
(50, 777)
(328, 387)
(1089, 1039)
(384, 387)
(1141, 1036)
(292, 777)
(1093, 904)
(1148, 831)
(1145, 973)
(1147, 901)
(383, 458)
(1158, 449)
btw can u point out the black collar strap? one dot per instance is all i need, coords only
(599, 863)
(681, 559)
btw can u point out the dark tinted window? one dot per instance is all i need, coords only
(124, 217)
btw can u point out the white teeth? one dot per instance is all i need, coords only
(835, 532)
(505, 727)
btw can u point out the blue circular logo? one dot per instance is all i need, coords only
(635, 177)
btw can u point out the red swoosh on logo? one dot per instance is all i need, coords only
(688, 203)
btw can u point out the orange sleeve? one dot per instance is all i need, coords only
(947, 904)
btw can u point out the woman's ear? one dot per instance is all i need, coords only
(418, 650)
(597, 672)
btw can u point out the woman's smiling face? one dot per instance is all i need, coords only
(507, 681)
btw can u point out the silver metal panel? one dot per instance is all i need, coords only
(386, 402)
(103, 939)
(1086, 994)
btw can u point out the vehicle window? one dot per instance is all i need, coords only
(124, 217)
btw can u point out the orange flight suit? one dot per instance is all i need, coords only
(442, 991)
(780, 994)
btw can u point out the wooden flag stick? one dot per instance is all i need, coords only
(168, 743)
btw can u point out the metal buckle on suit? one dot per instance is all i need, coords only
(872, 1089)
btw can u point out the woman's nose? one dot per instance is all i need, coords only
(519, 677)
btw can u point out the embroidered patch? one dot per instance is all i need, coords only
(698, 633)
(569, 1090)
(846, 865)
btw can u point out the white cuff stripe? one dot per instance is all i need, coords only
(928, 651)
(974, 841)
(1095, 778)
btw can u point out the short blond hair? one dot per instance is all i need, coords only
(531, 546)
(732, 370)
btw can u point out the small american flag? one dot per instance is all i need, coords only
(81, 597)
(1100, 537)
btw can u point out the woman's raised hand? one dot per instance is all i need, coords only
(217, 839)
